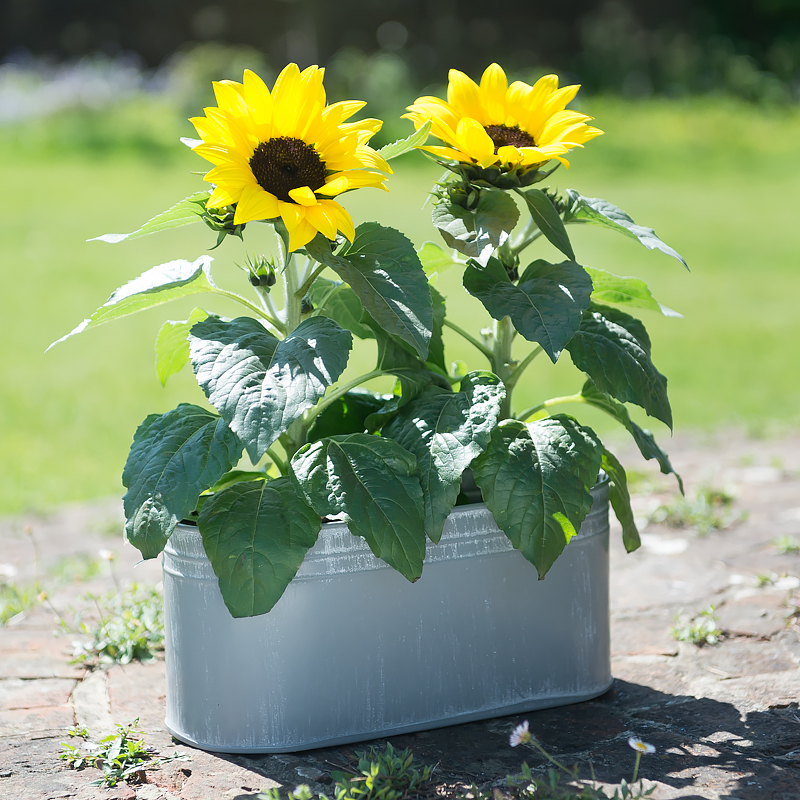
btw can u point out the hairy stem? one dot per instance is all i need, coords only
(313, 413)
(521, 367)
(502, 363)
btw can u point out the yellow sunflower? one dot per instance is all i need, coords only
(286, 154)
(495, 124)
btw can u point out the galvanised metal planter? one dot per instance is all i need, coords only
(353, 651)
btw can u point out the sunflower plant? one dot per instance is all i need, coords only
(285, 442)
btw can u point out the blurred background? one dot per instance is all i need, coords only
(698, 99)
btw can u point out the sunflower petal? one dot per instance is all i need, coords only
(254, 204)
(464, 96)
(473, 139)
(301, 231)
(303, 196)
(286, 97)
(323, 219)
(494, 86)
(344, 222)
(352, 179)
(259, 103)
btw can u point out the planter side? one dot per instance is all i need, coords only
(353, 651)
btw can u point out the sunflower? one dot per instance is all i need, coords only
(494, 124)
(286, 154)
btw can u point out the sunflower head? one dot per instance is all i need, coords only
(286, 154)
(502, 134)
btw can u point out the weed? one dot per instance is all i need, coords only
(382, 775)
(15, 598)
(130, 628)
(787, 545)
(75, 569)
(122, 756)
(764, 579)
(699, 630)
(710, 510)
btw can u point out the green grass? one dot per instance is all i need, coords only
(716, 179)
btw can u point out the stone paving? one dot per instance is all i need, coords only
(724, 718)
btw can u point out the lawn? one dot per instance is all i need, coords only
(715, 179)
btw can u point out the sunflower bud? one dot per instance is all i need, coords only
(221, 221)
(260, 271)
(306, 306)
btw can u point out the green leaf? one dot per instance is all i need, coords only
(621, 501)
(547, 305)
(172, 345)
(613, 349)
(188, 210)
(347, 414)
(403, 146)
(370, 480)
(174, 457)
(625, 291)
(256, 535)
(434, 259)
(156, 286)
(446, 431)
(436, 350)
(384, 271)
(644, 439)
(342, 306)
(548, 221)
(477, 232)
(531, 475)
(259, 384)
(600, 212)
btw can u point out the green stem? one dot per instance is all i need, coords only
(502, 363)
(521, 367)
(549, 757)
(259, 312)
(330, 293)
(636, 767)
(280, 463)
(313, 413)
(471, 339)
(569, 398)
(309, 282)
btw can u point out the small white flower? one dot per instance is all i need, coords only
(8, 571)
(106, 555)
(641, 747)
(520, 734)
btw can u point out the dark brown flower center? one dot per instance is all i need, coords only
(282, 164)
(502, 136)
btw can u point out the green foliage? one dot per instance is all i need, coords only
(548, 220)
(130, 627)
(16, 598)
(372, 481)
(787, 545)
(174, 458)
(621, 500)
(403, 146)
(532, 477)
(446, 431)
(383, 269)
(385, 774)
(546, 306)
(700, 630)
(122, 756)
(256, 535)
(260, 384)
(710, 509)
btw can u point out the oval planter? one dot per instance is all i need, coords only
(353, 651)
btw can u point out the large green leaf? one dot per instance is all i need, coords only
(347, 414)
(384, 271)
(547, 305)
(479, 231)
(625, 291)
(613, 349)
(644, 439)
(535, 479)
(260, 384)
(172, 345)
(341, 305)
(403, 146)
(446, 431)
(600, 212)
(548, 221)
(370, 480)
(188, 210)
(174, 457)
(621, 501)
(256, 535)
(156, 286)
